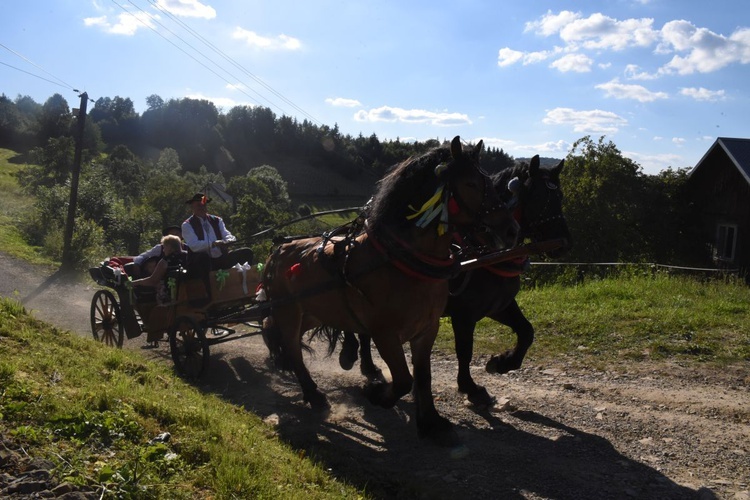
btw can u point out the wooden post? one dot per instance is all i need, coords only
(67, 258)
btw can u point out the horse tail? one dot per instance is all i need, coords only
(328, 333)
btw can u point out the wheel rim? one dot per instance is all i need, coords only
(187, 341)
(106, 325)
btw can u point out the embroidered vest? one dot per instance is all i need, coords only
(195, 223)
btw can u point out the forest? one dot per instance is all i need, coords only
(137, 170)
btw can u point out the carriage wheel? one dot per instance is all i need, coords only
(106, 322)
(187, 342)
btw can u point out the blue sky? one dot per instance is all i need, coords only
(661, 79)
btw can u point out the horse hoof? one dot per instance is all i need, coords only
(375, 375)
(376, 391)
(346, 361)
(440, 432)
(481, 398)
(317, 400)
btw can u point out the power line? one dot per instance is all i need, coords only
(62, 82)
(205, 42)
(32, 74)
(232, 61)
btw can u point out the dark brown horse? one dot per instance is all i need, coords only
(491, 292)
(390, 281)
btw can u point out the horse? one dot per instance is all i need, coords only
(389, 280)
(491, 291)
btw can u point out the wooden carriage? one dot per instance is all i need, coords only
(217, 303)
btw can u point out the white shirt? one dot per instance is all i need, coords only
(152, 252)
(204, 245)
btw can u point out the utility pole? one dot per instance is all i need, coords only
(67, 258)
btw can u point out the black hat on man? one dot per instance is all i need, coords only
(199, 197)
(167, 230)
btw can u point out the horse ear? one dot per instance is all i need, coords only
(478, 148)
(456, 149)
(559, 167)
(534, 166)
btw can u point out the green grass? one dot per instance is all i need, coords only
(93, 411)
(15, 203)
(636, 318)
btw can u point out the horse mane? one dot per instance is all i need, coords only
(407, 182)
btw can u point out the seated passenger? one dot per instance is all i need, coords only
(174, 258)
(144, 264)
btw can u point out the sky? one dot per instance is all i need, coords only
(661, 79)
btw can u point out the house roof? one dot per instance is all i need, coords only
(738, 152)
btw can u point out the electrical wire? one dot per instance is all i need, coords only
(61, 83)
(229, 59)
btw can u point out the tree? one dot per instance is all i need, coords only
(603, 203)
(55, 119)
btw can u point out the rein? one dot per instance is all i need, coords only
(410, 262)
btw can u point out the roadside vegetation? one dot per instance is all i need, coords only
(101, 414)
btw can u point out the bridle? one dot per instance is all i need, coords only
(531, 227)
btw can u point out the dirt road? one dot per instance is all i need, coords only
(640, 431)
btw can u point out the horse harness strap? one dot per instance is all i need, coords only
(409, 261)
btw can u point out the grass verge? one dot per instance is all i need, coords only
(95, 412)
(631, 317)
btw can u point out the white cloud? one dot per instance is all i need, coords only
(603, 32)
(559, 146)
(658, 138)
(654, 163)
(389, 114)
(279, 42)
(220, 102)
(343, 103)
(706, 50)
(701, 94)
(618, 90)
(187, 8)
(580, 63)
(550, 23)
(632, 72)
(127, 24)
(596, 31)
(506, 57)
(679, 141)
(591, 121)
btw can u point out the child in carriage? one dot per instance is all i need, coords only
(173, 258)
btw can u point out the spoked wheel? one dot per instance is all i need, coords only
(106, 323)
(187, 342)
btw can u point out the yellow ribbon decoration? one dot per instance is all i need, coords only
(427, 204)
(221, 277)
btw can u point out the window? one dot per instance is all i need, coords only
(726, 241)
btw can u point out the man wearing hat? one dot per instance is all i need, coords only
(206, 234)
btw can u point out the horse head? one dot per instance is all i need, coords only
(537, 197)
(473, 205)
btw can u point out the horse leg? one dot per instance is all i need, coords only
(429, 422)
(367, 365)
(463, 335)
(384, 394)
(512, 359)
(348, 354)
(289, 321)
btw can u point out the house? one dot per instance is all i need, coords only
(719, 187)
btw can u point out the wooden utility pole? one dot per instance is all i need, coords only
(67, 258)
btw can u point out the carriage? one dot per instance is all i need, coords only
(224, 303)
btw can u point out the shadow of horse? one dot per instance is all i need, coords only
(519, 454)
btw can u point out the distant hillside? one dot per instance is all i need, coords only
(543, 161)
(323, 186)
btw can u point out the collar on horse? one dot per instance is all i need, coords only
(408, 260)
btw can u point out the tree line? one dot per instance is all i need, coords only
(139, 168)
